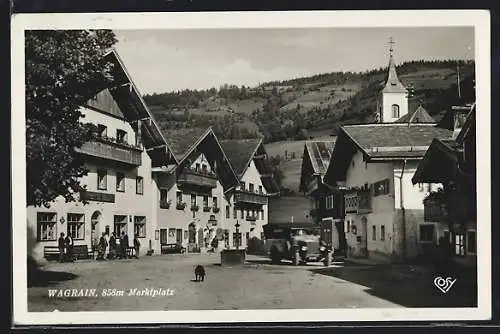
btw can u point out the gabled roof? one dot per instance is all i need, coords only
(182, 140)
(420, 115)
(188, 140)
(315, 161)
(320, 153)
(381, 142)
(240, 152)
(392, 84)
(439, 162)
(130, 101)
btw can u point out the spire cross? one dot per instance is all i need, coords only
(391, 43)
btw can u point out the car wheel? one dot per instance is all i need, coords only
(275, 257)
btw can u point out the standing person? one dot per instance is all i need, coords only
(112, 246)
(69, 248)
(137, 245)
(103, 243)
(123, 245)
(61, 245)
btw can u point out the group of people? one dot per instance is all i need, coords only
(118, 247)
(65, 245)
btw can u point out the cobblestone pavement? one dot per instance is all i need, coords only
(256, 285)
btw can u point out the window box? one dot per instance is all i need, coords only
(215, 209)
(206, 209)
(195, 207)
(180, 206)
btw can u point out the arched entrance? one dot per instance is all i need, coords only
(95, 224)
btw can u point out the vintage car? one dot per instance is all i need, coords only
(299, 243)
(173, 249)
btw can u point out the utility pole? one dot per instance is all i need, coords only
(458, 81)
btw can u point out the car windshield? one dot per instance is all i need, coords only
(305, 232)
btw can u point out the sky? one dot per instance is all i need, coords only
(168, 60)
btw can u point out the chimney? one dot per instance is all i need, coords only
(459, 117)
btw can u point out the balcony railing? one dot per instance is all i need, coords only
(364, 201)
(434, 211)
(97, 197)
(108, 148)
(243, 196)
(251, 218)
(197, 178)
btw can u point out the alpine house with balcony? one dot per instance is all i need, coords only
(247, 204)
(126, 145)
(189, 200)
(383, 209)
(326, 208)
(451, 212)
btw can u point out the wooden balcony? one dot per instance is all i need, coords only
(97, 196)
(109, 149)
(243, 196)
(364, 202)
(434, 211)
(197, 178)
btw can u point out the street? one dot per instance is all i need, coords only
(256, 285)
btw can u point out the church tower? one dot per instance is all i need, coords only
(394, 95)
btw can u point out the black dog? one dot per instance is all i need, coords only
(199, 273)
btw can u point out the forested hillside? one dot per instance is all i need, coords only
(301, 108)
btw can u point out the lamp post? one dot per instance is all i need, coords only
(237, 225)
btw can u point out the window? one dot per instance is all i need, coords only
(381, 188)
(215, 204)
(102, 182)
(140, 226)
(459, 245)
(374, 233)
(120, 224)
(242, 214)
(242, 185)
(382, 232)
(247, 237)
(204, 168)
(329, 201)
(250, 187)
(395, 111)
(471, 242)
(193, 199)
(121, 136)
(426, 233)
(139, 185)
(227, 211)
(102, 130)
(236, 239)
(47, 226)
(348, 226)
(164, 198)
(205, 201)
(235, 213)
(197, 167)
(260, 190)
(120, 182)
(76, 226)
(178, 196)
